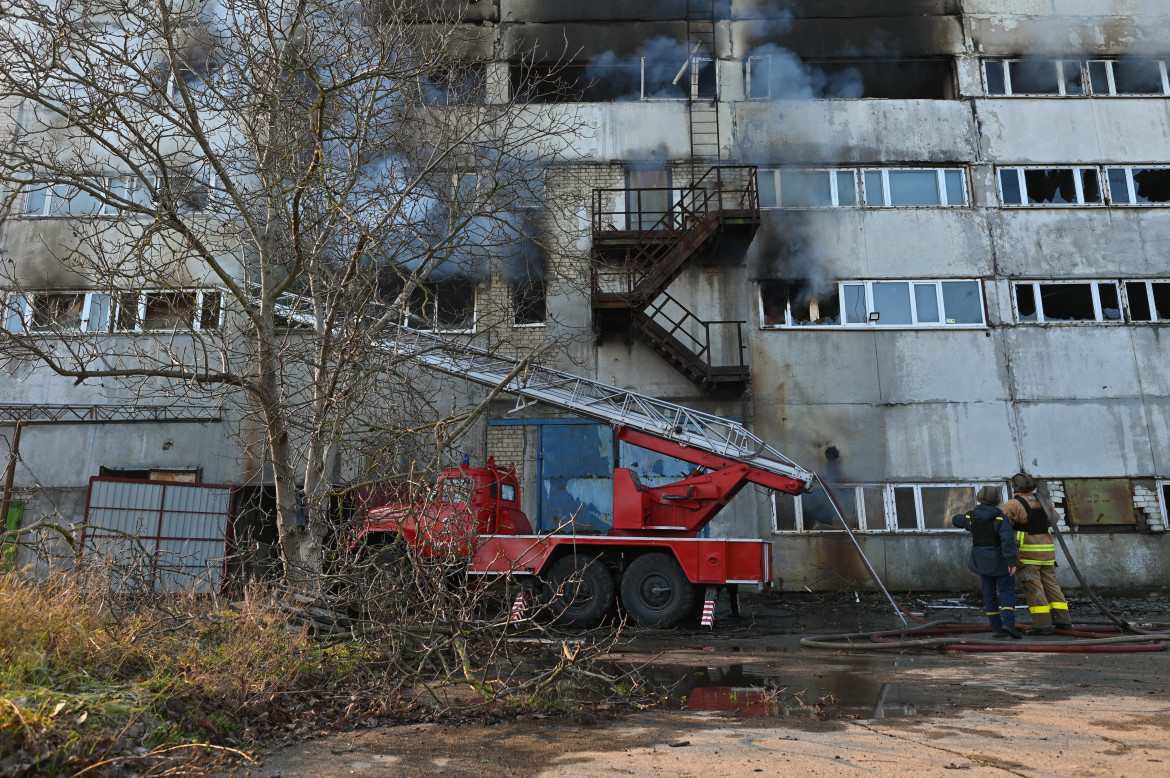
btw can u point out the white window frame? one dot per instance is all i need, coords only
(1160, 488)
(19, 309)
(196, 324)
(1057, 66)
(685, 89)
(693, 80)
(914, 323)
(940, 187)
(1149, 285)
(1094, 288)
(834, 189)
(1131, 188)
(1087, 81)
(1078, 184)
(889, 505)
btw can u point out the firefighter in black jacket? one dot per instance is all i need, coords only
(993, 557)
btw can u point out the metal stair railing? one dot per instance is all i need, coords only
(565, 391)
(678, 332)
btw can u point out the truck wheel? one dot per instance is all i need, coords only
(578, 591)
(656, 592)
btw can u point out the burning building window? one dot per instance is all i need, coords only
(57, 312)
(447, 306)
(1076, 77)
(1138, 185)
(769, 78)
(1050, 186)
(528, 301)
(796, 304)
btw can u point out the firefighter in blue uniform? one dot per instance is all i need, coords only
(993, 557)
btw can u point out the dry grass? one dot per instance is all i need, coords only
(90, 685)
(97, 681)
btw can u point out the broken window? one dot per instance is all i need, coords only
(1148, 300)
(929, 78)
(1135, 77)
(56, 312)
(796, 304)
(704, 80)
(528, 301)
(914, 187)
(1074, 301)
(461, 83)
(1050, 186)
(913, 303)
(1138, 185)
(161, 311)
(447, 305)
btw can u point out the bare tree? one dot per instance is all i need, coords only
(213, 160)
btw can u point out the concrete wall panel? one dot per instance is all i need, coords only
(1100, 129)
(1068, 243)
(1087, 439)
(1059, 362)
(855, 131)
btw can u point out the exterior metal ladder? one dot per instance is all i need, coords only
(568, 392)
(702, 106)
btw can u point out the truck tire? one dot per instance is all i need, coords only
(656, 592)
(577, 591)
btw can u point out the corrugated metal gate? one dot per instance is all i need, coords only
(185, 528)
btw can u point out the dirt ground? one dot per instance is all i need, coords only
(748, 699)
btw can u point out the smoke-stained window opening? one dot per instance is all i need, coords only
(56, 311)
(815, 188)
(608, 79)
(446, 305)
(1028, 186)
(529, 301)
(1138, 185)
(166, 311)
(785, 76)
(796, 304)
(1069, 77)
(1148, 300)
(457, 83)
(1042, 302)
(884, 508)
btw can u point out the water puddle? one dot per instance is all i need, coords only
(759, 691)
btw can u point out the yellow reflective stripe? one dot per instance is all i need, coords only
(1019, 536)
(991, 613)
(1007, 608)
(1039, 609)
(1060, 606)
(1037, 547)
(1050, 562)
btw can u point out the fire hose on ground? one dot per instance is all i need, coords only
(960, 636)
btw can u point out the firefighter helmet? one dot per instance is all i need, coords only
(1022, 482)
(988, 495)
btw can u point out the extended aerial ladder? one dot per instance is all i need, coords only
(653, 548)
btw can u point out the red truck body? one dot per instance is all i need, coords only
(652, 554)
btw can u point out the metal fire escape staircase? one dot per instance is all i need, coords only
(640, 246)
(565, 391)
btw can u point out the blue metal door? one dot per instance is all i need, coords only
(576, 477)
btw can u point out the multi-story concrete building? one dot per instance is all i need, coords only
(917, 246)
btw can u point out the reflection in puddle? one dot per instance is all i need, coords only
(757, 691)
